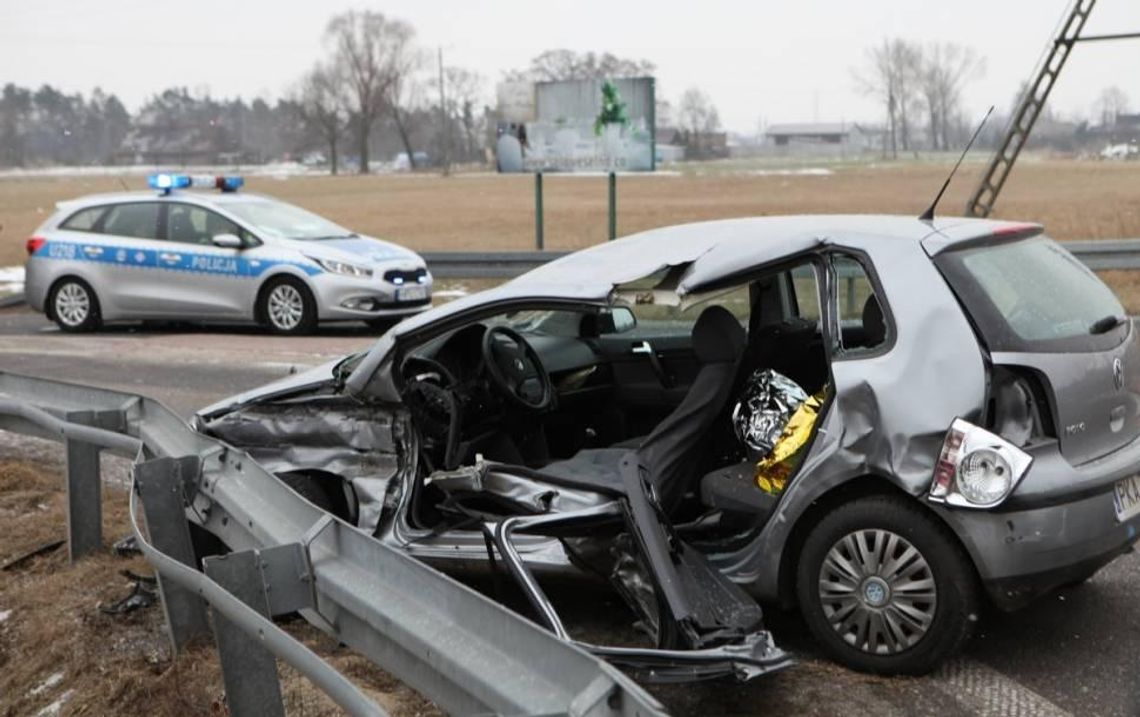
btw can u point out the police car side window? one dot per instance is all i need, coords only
(84, 220)
(191, 224)
(131, 220)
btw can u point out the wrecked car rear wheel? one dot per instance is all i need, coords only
(885, 588)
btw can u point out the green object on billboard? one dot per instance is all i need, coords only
(613, 109)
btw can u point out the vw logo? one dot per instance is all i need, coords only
(1118, 373)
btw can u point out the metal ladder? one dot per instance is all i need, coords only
(982, 201)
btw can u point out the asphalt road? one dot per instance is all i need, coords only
(1074, 652)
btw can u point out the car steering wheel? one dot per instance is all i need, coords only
(514, 368)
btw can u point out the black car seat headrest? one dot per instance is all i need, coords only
(718, 336)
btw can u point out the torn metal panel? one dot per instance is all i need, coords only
(529, 495)
(330, 435)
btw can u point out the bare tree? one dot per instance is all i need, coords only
(570, 65)
(1111, 102)
(944, 70)
(321, 104)
(375, 56)
(697, 117)
(404, 90)
(464, 88)
(891, 75)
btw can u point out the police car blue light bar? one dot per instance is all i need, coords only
(166, 182)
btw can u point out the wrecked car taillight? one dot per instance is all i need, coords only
(976, 468)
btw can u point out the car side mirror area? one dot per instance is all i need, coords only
(228, 241)
(617, 320)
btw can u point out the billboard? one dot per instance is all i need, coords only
(576, 126)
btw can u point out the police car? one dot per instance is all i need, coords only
(208, 256)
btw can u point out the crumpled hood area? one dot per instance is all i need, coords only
(366, 445)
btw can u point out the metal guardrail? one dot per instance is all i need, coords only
(486, 264)
(1097, 254)
(452, 644)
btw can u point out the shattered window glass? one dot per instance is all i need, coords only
(861, 319)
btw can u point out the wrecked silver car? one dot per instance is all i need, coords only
(884, 420)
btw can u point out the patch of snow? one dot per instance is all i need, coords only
(4, 615)
(55, 707)
(47, 684)
(450, 293)
(275, 169)
(11, 279)
(803, 172)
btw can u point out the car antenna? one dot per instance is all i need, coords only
(928, 215)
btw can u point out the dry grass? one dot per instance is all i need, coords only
(481, 212)
(55, 643)
(487, 212)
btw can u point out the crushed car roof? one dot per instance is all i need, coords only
(715, 250)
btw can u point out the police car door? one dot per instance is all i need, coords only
(195, 277)
(125, 258)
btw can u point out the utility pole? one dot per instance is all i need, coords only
(443, 120)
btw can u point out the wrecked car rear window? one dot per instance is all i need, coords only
(1032, 295)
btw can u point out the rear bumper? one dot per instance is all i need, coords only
(1043, 537)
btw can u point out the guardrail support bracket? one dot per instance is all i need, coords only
(160, 484)
(84, 492)
(249, 671)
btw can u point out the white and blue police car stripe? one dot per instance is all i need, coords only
(183, 260)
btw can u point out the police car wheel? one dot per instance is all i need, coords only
(287, 307)
(74, 306)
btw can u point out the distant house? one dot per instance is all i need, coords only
(674, 144)
(824, 136)
(782, 135)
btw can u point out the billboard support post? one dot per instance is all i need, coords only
(538, 242)
(613, 205)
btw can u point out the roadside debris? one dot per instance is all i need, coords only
(22, 560)
(144, 593)
(126, 547)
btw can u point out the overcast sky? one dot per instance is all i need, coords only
(758, 59)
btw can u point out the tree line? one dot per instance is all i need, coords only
(376, 92)
(920, 89)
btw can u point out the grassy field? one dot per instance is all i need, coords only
(489, 212)
(485, 212)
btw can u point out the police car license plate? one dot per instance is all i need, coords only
(1126, 498)
(411, 293)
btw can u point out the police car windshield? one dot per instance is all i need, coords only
(285, 221)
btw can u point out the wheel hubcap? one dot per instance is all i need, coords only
(286, 307)
(877, 591)
(72, 304)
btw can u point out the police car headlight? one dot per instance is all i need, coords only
(340, 267)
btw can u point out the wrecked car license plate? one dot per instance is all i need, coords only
(411, 293)
(1126, 498)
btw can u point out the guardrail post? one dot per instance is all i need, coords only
(84, 493)
(161, 487)
(249, 671)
